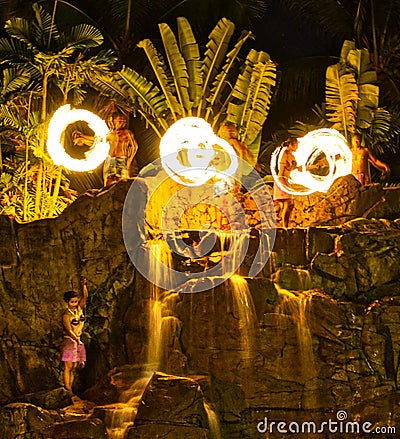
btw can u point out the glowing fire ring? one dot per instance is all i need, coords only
(63, 117)
(189, 150)
(326, 141)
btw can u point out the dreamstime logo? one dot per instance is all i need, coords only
(151, 191)
(340, 425)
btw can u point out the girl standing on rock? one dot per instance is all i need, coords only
(73, 350)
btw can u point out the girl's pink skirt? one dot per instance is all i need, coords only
(72, 351)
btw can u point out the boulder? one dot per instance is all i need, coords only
(172, 406)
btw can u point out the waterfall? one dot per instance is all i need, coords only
(213, 423)
(243, 307)
(296, 305)
(160, 264)
(233, 249)
(123, 414)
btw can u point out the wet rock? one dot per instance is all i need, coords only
(165, 431)
(8, 243)
(25, 420)
(78, 429)
(49, 400)
(334, 346)
(171, 405)
(345, 200)
(296, 279)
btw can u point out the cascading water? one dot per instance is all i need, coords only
(215, 428)
(244, 309)
(162, 327)
(296, 305)
(123, 414)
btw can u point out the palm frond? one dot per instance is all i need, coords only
(147, 93)
(44, 30)
(10, 118)
(134, 91)
(300, 129)
(329, 16)
(13, 80)
(82, 36)
(20, 29)
(14, 51)
(177, 66)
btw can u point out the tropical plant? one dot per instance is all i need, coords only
(44, 68)
(216, 86)
(352, 99)
(372, 24)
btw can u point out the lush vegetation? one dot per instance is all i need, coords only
(145, 58)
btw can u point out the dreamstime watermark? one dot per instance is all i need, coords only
(152, 186)
(340, 425)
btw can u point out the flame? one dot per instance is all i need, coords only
(192, 154)
(325, 147)
(96, 154)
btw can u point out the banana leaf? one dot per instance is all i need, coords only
(366, 78)
(253, 91)
(191, 54)
(159, 68)
(177, 66)
(341, 96)
(135, 91)
(346, 48)
(217, 47)
(221, 79)
(261, 85)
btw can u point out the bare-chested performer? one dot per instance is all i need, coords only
(286, 166)
(123, 147)
(361, 157)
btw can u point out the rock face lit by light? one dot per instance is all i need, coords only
(192, 154)
(63, 117)
(322, 156)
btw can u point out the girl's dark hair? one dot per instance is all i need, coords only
(68, 295)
